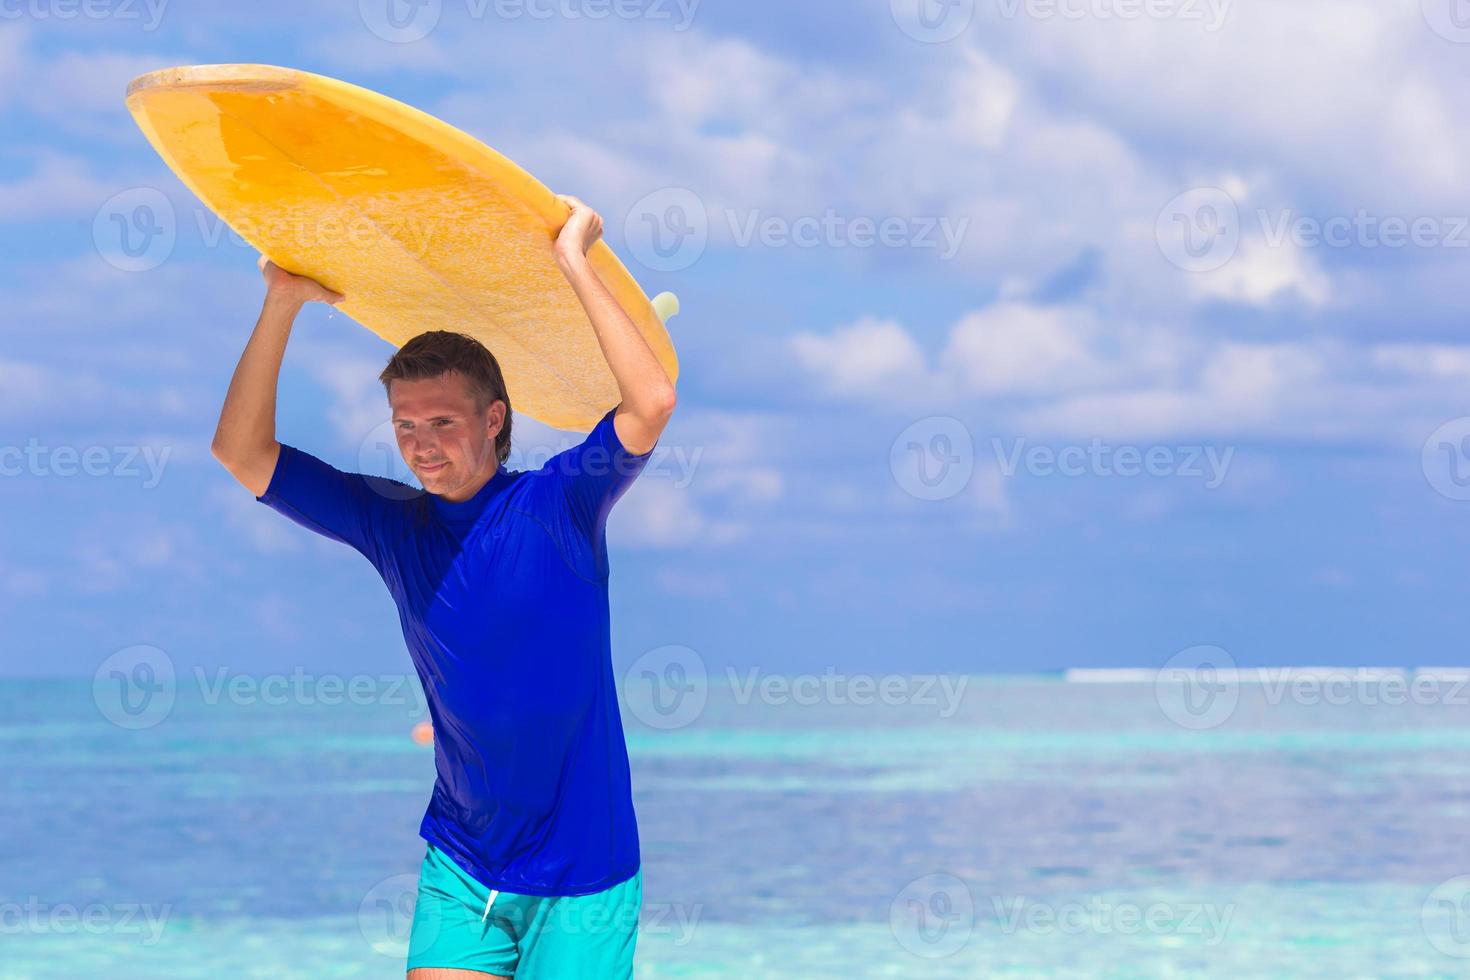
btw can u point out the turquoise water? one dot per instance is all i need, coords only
(1032, 827)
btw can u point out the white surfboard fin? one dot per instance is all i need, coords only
(665, 305)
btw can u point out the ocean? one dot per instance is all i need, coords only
(1091, 825)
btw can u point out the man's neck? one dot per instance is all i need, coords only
(474, 486)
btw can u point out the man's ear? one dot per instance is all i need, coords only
(495, 418)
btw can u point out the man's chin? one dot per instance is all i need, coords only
(436, 482)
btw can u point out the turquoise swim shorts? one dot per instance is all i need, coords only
(460, 924)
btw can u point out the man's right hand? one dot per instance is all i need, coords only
(299, 289)
(245, 439)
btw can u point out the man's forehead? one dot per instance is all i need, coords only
(426, 394)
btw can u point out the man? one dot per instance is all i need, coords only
(500, 578)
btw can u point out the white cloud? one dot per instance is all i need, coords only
(991, 496)
(1011, 348)
(25, 382)
(1063, 371)
(693, 582)
(277, 616)
(80, 92)
(36, 391)
(1365, 114)
(1237, 389)
(117, 558)
(260, 526)
(860, 358)
(13, 39)
(725, 471)
(23, 582)
(1259, 272)
(1017, 348)
(656, 514)
(359, 405)
(1423, 360)
(58, 184)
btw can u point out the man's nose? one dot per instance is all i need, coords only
(420, 445)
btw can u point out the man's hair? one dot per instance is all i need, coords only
(437, 352)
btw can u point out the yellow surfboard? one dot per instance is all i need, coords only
(420, 225)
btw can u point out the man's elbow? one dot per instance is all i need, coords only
(653, 408)
(664, 403)
(227, 452)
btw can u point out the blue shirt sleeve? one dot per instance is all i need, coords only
(594, 474)
(346, 507)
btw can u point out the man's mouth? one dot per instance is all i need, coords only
(433, 467)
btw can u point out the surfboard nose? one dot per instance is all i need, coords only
(665, 304)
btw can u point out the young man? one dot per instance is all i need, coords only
(500, 578)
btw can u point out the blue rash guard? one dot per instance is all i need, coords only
(503, 603)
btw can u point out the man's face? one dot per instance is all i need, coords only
(446, 443)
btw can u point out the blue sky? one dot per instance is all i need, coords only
(1167, 238)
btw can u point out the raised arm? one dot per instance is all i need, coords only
(245, 439)
(647, 394)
